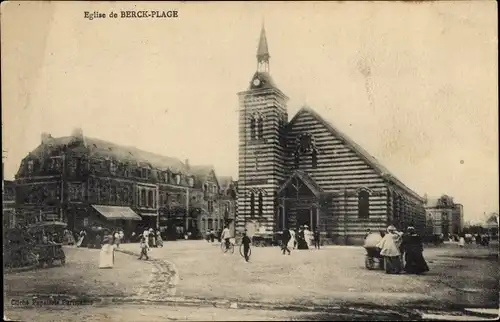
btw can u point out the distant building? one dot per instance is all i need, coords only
(304, 171)
(444, 216)
(84, 181)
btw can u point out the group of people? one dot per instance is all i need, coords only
(304, 239)
(149, 239)
(95, 239)
(394, 244)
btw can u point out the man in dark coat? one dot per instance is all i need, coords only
(413, 248)
(285, 239)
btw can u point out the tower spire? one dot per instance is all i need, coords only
(263, 52)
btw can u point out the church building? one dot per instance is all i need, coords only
(305, 171)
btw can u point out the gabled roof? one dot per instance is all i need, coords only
(104, 149)
(362, 153)
(225, 181)
(306, 179)
(201, 173)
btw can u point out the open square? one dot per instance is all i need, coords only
(331, 275)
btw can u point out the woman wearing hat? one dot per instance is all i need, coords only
(413, 248)
(107, 256)
(389, 249)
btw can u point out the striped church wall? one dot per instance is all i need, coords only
(261, 163)
(339, 169)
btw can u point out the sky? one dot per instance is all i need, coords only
(414, 83)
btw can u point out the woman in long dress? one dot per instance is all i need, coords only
(390, 249)
(413, 248)
(159, 240)
(301, 241)
(81, 238)
(107, 256)
(308, 236)
(461, 241)
(292, 241)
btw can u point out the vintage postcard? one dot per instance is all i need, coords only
(250, 160)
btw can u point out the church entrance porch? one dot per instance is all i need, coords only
(300, 202)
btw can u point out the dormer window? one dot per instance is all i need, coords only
(31, 165)
(178, 179)
(205, 187)
(191, 181)
(112, 167)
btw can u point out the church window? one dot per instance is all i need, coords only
(252, 128)
(252, 204)
(260, 126)
(314, 158)
(363, 204)
(261, 202)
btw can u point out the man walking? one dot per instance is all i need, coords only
(226, 236)
(285, 239)
(245, 241)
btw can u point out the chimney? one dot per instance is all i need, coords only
(46, 137)
(77, 136)
(186, 162)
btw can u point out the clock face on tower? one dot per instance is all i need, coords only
(256, 82)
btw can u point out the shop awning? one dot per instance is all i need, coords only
(149, 214)
(117, 213)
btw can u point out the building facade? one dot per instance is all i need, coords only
(84, 181)
(305, 171)
(9, 204)
(444, 216)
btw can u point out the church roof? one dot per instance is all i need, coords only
(360, 151)
(266, 79)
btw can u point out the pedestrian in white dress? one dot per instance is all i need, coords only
(461, 241)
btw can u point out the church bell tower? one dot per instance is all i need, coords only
(262, 120)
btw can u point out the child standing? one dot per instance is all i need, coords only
(316, 238)
(144, 248)
(245, 241)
